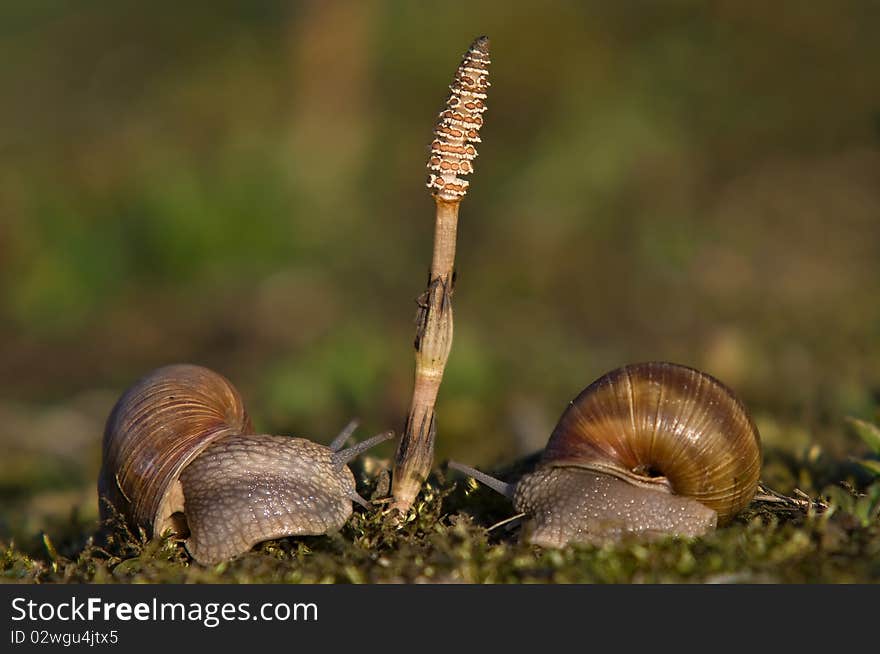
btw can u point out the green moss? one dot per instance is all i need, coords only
(835, 539)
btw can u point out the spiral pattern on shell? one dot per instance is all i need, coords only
(661, 420)
(458, 125)
(155, 430)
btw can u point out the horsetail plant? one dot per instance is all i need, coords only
(452, 155)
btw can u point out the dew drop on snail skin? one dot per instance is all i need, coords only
(179, 449)
(649, 449)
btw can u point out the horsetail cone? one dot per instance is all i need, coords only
(452, 154)
(458, 125)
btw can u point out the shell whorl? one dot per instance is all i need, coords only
(664, 420)
(156, 429)
(458, 125)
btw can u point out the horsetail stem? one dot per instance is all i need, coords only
(452, 155)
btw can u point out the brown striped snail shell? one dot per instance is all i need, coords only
(651, 449)
(180, 454)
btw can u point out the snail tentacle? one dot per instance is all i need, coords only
(342, 437)
(495, 484)
(354, 497)
(342, 457)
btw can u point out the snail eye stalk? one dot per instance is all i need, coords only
(488, 480)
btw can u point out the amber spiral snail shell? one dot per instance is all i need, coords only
(651, 448)
(180, 454)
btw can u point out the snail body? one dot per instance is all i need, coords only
(651, 449)
(180, 454)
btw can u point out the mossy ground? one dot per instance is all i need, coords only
(833, 537)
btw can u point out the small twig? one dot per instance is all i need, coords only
(802, 502)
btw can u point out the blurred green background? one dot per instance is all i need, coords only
(241, 185)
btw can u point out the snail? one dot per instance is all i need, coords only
(650, 449)
(180, 454)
